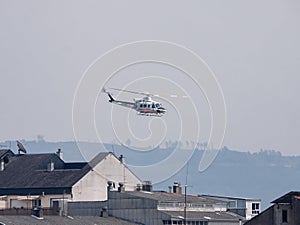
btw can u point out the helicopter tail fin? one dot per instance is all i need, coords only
(111, 99)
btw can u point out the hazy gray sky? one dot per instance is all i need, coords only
(252, 46)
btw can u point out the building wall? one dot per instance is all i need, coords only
(3, 204)
(223, 223)
(93, 186)
(14, 201)
(296, 211)
(47, 200)
(134, 209)
(265, 218)
(278, 208)
(86, 208)
(249, 214)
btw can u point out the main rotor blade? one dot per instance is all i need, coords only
(170, 96)
(133, 92)
(151, 95)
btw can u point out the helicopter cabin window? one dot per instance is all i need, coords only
(153, 106)
(141, 105)
(148, 106)
(157, 105)
(145, 105)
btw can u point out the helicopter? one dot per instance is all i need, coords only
(144, 106)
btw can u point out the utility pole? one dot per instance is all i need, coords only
(185, 187)
(185, 191)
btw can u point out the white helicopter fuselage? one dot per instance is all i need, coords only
(144, 106)
(148, 106)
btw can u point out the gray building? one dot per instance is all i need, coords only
(284, 211)
(155, 208)
(245, 207)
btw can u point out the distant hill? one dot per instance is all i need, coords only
(264, 174)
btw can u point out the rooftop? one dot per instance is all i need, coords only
(29, 171)
(287, 198)
(205, 216)
(230, 197)
(49, 220)
(172, 197)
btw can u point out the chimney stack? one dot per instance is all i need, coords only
(139, 187)
(147, 186)
(104, 212)
(122, 159)
(60, 153)
(177, 188)
(109, 185)
(121, 187)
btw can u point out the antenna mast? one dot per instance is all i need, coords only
(185, 190)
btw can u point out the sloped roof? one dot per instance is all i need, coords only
(49, 220)
(287, 198)
(30, 171)
(4, 152)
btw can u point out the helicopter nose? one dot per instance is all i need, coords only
(161, 110)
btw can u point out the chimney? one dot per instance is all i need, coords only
(104, 212)
(50, 166)
(138, 187)
(122, 159)
(109, 185)
(121, 187)
(60, 153)
(147, 186)
(177, 188)
(2, 165)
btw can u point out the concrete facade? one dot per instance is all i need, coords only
(157, 208)
(284, 211)
(92, 187)
(46, 178)
(46, 201)
(245, 207)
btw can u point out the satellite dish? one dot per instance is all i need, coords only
(21, 147)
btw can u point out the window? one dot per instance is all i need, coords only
(153, 106)
(284, 216)
(255, 208)
(148, 106)
(141, 105)
(232, 204)
(145, 105)
(36, 203)
(157, 105)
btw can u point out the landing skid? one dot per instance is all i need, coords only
(150, 114)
